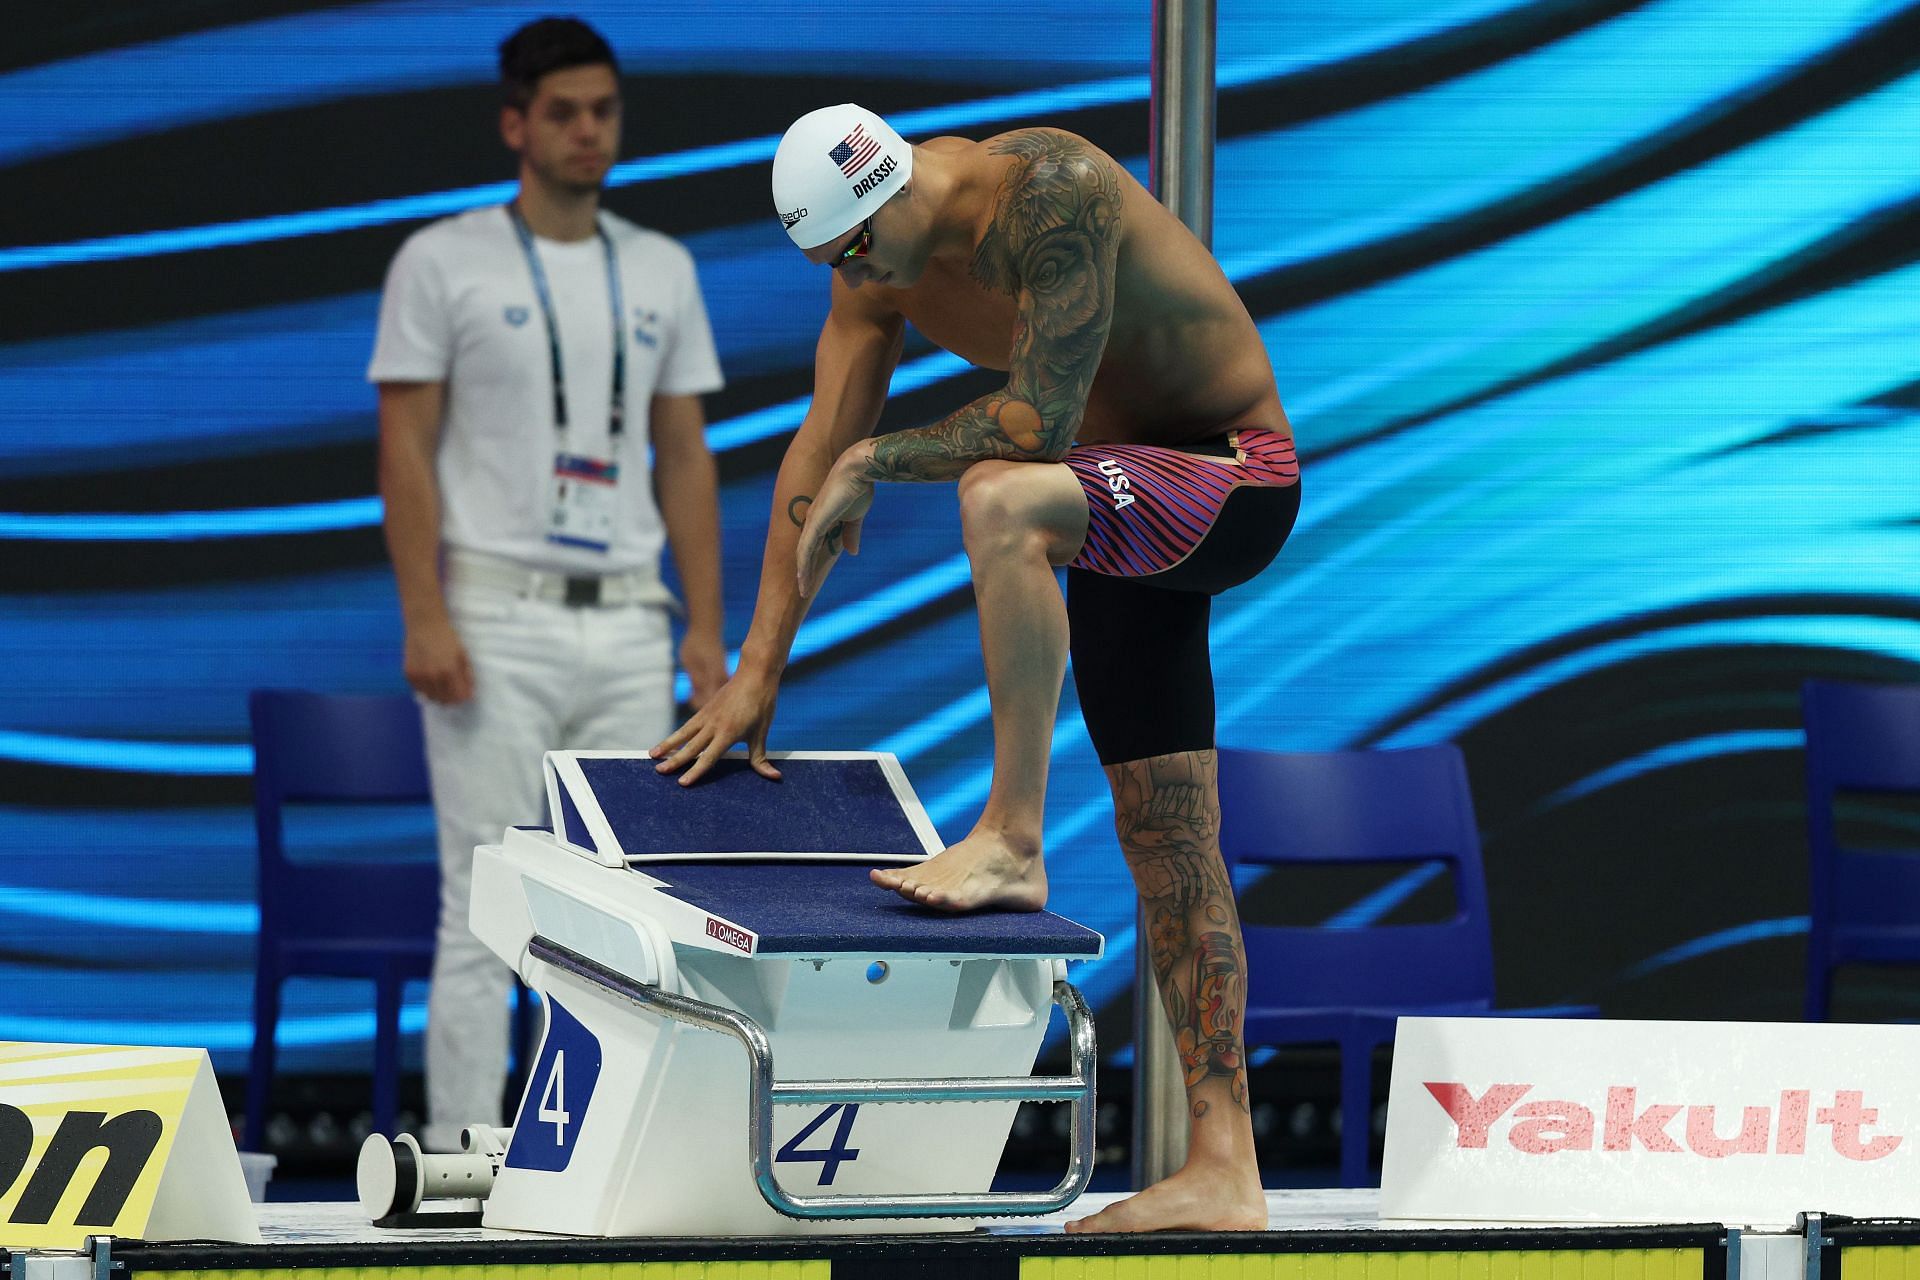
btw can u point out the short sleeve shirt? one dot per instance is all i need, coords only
(460, 308)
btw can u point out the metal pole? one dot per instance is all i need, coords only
(1181, 157)
(1181, 173)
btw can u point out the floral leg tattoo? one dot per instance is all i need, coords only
(1167, 809)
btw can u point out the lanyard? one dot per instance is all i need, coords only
(617, 407)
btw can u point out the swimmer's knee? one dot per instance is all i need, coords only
(990, 487)
(1004, 503)
(997, 502)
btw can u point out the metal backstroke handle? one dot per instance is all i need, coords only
(764, 1093)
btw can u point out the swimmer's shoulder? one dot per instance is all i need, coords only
(1018, 142)
(949, 143)
(1045, 140)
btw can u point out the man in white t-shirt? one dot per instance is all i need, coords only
(529, 358)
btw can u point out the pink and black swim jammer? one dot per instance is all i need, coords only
(1200, 517)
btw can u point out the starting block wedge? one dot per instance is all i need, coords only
(743, 1035)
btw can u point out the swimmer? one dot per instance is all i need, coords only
(1139, 442)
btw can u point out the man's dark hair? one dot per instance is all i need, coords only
(544, 46)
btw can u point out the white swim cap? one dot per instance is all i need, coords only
(835, 166)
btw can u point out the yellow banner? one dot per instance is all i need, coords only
(86, 1135)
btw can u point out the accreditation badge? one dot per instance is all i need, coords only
(583, 501)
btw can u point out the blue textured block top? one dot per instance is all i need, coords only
(819, 806)
(816, 908)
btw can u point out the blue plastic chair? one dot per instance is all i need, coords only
(1315, 985)
(372, 920)
(1865, 906)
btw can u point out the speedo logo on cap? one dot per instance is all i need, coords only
(792, 216)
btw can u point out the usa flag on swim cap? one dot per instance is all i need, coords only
(854, 151)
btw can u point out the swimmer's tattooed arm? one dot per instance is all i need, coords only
(1052, 244)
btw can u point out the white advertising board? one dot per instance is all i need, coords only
(1543, 1120)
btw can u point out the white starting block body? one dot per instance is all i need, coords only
(634, 1123)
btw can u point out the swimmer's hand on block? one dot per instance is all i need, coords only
(741, 712)
(832, 806)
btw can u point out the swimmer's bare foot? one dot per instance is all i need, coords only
(1201, 1197)
(983, 871)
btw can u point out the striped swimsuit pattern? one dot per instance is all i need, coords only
(1150, 506)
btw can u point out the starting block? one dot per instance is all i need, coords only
(743, 1035)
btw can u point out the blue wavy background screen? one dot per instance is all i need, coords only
(1596, 320)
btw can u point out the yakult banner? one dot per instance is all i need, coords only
(1747, 1123)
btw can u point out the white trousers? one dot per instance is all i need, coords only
(546, 678)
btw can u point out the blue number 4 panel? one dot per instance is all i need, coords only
(555, 1108)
